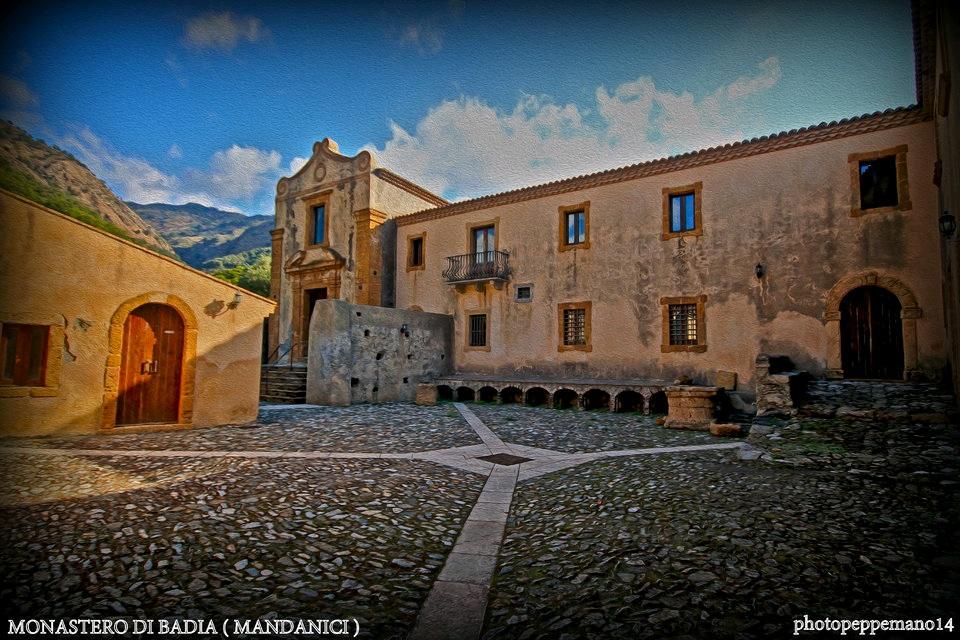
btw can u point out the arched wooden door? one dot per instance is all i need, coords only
(871, 334)
(150, 366)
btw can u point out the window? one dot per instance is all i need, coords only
(24, 351)
(415, 252)
(878, 181)
(681, 211)
(683, 324)
(484, 243)
(477, 330)
(319, 224)
(575, 226)
(316, 220)
(573, 320)
(684, 328)
(524, 293)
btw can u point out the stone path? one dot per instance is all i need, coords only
(456, 603)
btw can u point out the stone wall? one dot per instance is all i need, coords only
(361, 353)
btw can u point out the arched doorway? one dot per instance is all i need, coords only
(151, 366)
(871, 334)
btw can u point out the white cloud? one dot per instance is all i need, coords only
(465, 147)
(175, 151)
(222, 31)
(16, 95)
(296, 164)
(238, 173)
(234, 176)
(423, 36)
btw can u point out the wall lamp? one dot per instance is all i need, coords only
(948, 224)
(759, 270)
(237, 298)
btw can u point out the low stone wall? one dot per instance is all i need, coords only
(779, 388)
(360, 353)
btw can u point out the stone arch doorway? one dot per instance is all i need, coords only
(840, 325)
(151, 366)
(871, 334)
(149, 377)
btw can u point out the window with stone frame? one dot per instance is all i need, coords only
(682, 211)
(684, 324)
(878, 181)
(416, 255)
(575, 226)
(573, 319)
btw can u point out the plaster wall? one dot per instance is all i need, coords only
(947, 107)
(361, 353)
(789, 210)
(57, 271)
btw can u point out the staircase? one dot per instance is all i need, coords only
(878, 400)
(283, 384)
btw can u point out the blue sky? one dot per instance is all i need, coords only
(213, 102)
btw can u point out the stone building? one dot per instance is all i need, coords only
(820, 244)
(99, 333)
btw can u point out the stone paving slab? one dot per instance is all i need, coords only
(699, 545)
(394, 428)
(571, 431)
(453, 611)
(201, 537)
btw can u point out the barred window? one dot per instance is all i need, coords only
(574, 327)
(478, 330)
(683, 324)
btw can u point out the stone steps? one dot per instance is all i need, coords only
(283, 384)
(878, 400)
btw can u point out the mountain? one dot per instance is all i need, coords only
(200, 233)
(54, 178)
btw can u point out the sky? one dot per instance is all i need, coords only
(213, 102)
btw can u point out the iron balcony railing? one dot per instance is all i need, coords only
(484, 265)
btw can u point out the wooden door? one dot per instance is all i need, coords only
(871, 334)
(150, 366)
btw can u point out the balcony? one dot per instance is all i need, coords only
(478, 267)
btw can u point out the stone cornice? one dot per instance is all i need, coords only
(399, 181)
(822, 132)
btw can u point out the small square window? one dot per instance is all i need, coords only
(524, 293)
(683, 324)
(878, 183)
(478, 330)
(23, 348)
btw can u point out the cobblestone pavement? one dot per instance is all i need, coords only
(581, 431)
(357, 428)
(198, 538)
(700, 545)
(609, 533)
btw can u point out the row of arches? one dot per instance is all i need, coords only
(623, 401)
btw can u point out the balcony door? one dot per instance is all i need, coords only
(484, 244)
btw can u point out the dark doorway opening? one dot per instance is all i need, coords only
(871, 334)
